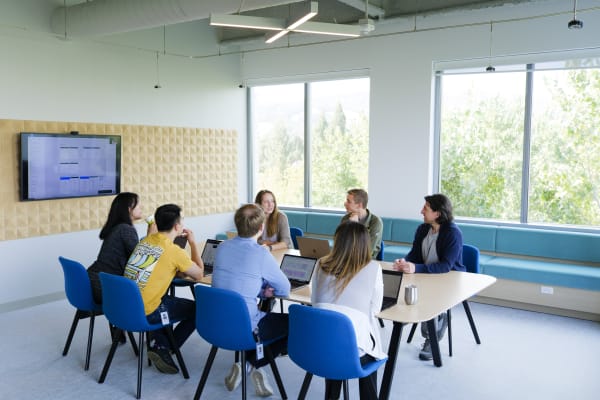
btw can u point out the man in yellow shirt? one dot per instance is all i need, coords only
(155, 261)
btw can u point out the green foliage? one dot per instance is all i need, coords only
(481, 152)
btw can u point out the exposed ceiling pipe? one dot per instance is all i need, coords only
(106, 17)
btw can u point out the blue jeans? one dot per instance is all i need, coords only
(183, 310)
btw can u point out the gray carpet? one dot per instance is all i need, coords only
(523, 355)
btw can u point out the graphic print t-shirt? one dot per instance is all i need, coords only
(153, 265)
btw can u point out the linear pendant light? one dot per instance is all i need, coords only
(299, 22)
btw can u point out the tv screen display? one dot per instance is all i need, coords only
(58, 166)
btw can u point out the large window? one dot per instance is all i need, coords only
(310, 140)
(522, 144)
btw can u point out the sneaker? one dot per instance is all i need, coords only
(232, 381)
(425, 353)
(261, 383)
(162, 360)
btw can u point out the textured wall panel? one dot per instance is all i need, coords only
(195, 168)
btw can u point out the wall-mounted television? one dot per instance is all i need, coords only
(58, 165)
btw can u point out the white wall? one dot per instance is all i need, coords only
(43, 78)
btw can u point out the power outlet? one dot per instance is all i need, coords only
(547, 290)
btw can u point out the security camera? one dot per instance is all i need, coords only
(575, 24)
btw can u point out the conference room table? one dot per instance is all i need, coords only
(437, 293)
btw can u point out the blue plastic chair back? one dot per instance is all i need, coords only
(381, 252)
(123, 304)
(323, 343)
(222, 318)
(77, 285)
(295, 232)
(471, 258)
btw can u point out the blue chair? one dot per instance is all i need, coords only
(471, 262)
(323, 343)
(124, 308)
(222, 320)
(295, 232)
(79, 293)
(381, 252)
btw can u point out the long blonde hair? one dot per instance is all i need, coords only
(351, 252)
(272, 220)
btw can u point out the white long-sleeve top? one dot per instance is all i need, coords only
(360, 301)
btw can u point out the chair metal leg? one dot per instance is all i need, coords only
(471, 321)
(412, 332)
(346, 393)
(449, 314)
(184, 371)
(140, 366)
(276, 374)
(88, 350)
(133, 344)
(305, 385)
(207, 367)
(111, 353)
(78, 315)
(243, 372)
(381, 323)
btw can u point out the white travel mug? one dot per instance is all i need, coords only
(410, 294)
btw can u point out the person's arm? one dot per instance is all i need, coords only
(449, 248)
(377, 296)
(275, 277)
(285, 237)
(196, 271)
(375, 234)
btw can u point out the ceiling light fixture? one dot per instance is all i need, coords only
(157, 84)
(575, 23)
(298, 22)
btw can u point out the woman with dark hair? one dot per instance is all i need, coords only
(349, 281)
(436, 249)
(276, 235)
(119, 238)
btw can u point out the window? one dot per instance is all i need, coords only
(522, 144)
(310, 140)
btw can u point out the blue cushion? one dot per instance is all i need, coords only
(221, 236)
(403, 230)
(575, 246)
(387, 228)
(481, 236)
(322, 223)
(297, 219)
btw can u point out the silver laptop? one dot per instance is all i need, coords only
(313, 247)
(392, 280)
(298, 269)
(208, 254)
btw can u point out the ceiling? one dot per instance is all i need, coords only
(98, 18)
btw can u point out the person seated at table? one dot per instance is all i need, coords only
(436, 249)
(119, 238)
(276, 235)
(357, 211)
(349, 281)
(246, 267)
(153, 264)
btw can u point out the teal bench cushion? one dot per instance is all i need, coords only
(297, 219)
(322, 223)
(403, 230)
(481, 236)
(573, 246)
(544, 272)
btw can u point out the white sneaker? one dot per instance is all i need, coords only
(261, 383)
(232, 381)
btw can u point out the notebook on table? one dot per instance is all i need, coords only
(313, 247)
(298, 269)
(392, 280)
(208, 255)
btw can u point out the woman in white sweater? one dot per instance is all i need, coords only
(347, 280)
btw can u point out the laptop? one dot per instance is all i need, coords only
(298, 269)
(313, 247)
(392, 280)
(208, 255)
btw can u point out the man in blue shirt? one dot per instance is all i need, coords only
(244, 266)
